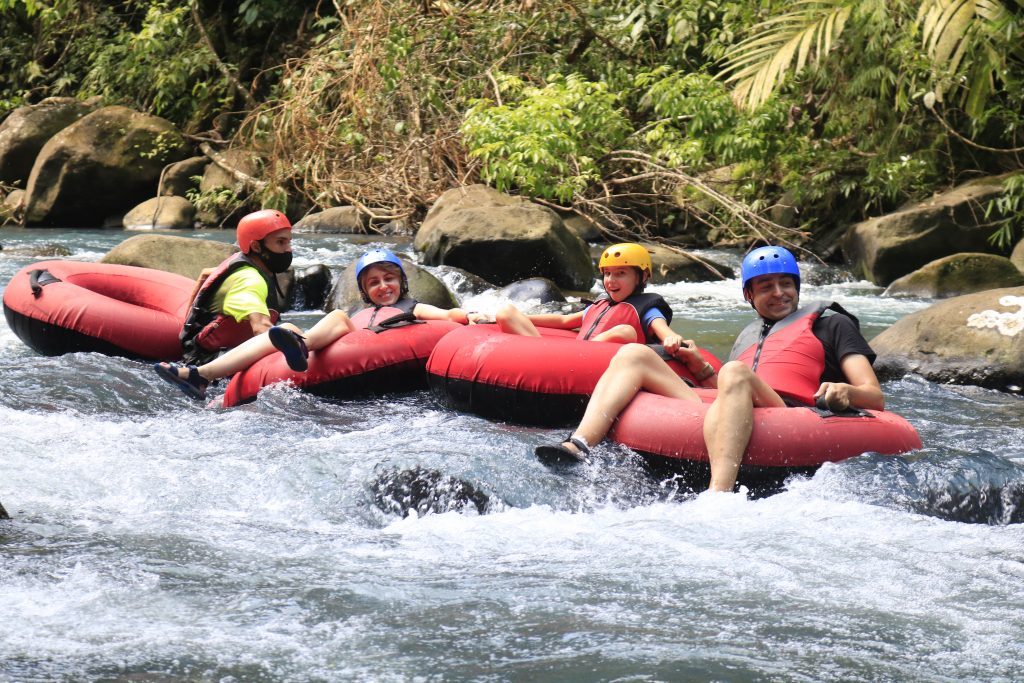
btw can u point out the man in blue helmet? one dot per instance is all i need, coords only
(382, 284)
(787, 356)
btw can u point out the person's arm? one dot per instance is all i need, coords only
(260, 323)
(669, 339)
(456, 315)
(861, 390)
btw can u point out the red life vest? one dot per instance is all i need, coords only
(606, 314)
(206, 332)
(786, 354)
(375, 315)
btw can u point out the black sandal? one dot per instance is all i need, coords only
(194, 385)
(560, 454)
(292, 345)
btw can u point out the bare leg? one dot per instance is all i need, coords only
(730, 421)
(620, 334)
(634, 367)
(332, 326)
(511, 320)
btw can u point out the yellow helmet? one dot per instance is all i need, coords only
(626, 254)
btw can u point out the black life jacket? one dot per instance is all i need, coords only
(207, 332)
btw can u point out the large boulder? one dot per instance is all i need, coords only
(1017, 256)
(672, 265)
(181, 176)
(539, 289)
(972, 339)
(100, 165)
(423, 287)
(336, 220)
(161, 213)
(503, 239)
(956, 275)
(26, 129)
(884, 248)
(186, 256)
(11, 209)
(223, 190)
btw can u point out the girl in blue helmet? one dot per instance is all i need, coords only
(787, 356)
(382, 284)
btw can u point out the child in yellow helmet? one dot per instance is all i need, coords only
(626, 314)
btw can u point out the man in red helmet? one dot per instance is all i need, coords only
(239, 299)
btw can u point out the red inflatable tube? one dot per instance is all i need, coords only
(360, 363)
(59, 307)
(542, 381)
(782, 437)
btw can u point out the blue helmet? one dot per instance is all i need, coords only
(375, 256)
(766, 261)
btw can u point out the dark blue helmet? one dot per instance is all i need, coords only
(766, 261)
(379, 256)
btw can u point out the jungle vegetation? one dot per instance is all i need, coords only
(646, 116)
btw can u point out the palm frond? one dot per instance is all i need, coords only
(759, 65)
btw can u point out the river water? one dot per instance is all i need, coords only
(154, 540)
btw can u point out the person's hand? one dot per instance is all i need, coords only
(474, 318)
(836, 395)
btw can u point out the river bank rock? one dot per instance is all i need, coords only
(27, 129)
(956, 275)
(99, 166)
(180, 177)
(673, 266)
(502, 239)
(161, 213)
(971, 339)
(423, 287)
(336, 220)
(12, 207)
(1017, 256)
(186, 256)
(223, 188)
(885, 248)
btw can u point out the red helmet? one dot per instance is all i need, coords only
(255, 226)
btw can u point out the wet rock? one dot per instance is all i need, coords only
(161, 213)
(503, 239)
(423, 287)
(3, 512)
(186, 256)
(887, 247)
(533, 289)
(50, 250)
(103, 163)
(465, 283)
(27, 129)
(956, 275)
(179, 177)
(309, 288)
(336, 220)
(671, 265)
(971, 339)
(423, 491)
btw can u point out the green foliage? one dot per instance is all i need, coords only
(158, 67)
(219, 201)
(548, 142)
(1009, 206)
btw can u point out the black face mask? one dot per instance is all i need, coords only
(277, 263)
